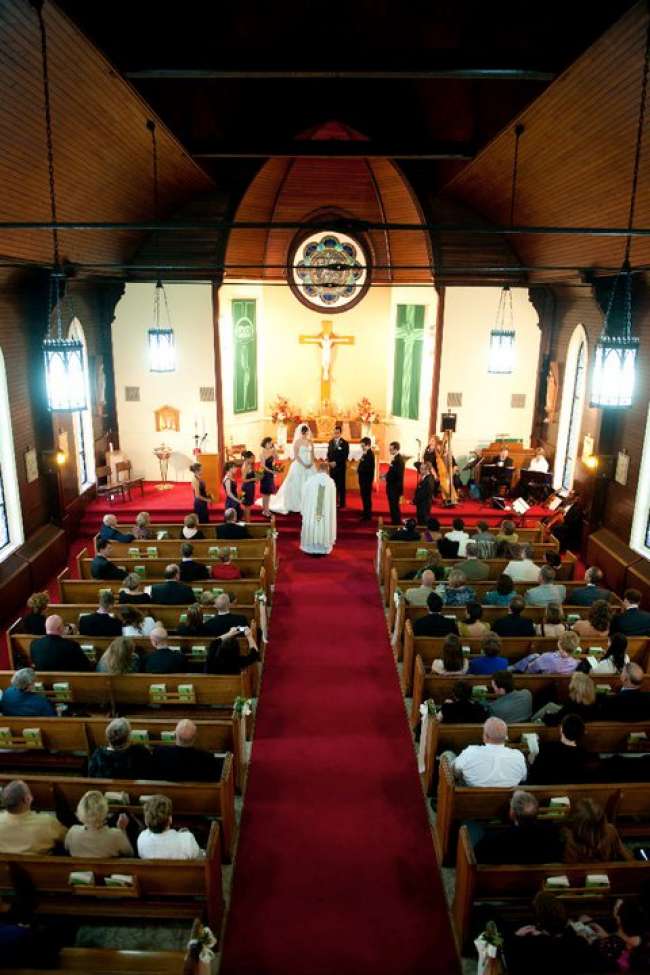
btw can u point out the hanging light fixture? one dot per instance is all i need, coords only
(63, 358)
(613, 379)
(162, 347)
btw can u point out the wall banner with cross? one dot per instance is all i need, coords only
(327, 340)
(409, 337)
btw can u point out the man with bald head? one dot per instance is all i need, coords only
(631, 703)
(183, 761)
(224, 620)
(111, 533)
(162, 659)
(21, 829)
(56, 652)
(418, 595)
(172, 592)
(491, 764)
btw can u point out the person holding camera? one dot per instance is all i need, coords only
(224, 655)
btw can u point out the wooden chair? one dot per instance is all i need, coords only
(104, 488)
(127, 482)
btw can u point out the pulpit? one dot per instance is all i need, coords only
(211, 474)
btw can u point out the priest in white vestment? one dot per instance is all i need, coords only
(318, 533)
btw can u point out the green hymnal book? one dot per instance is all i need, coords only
(140, 569)
(157, 692)
(33, 737)
(81, 878)
(89, 650)
(38, 687)
(61, 690)
(186, 693)
(139, 736)
(5, 737)
(479, 690)
(152, 551)
(182, 618)
(168, 737)
(134, 552)
(562, 881)
(117, 798)
(597, 880)
(119, 880)
(214, 552)
(199, 652)
(572, 618)
(234, 551)
(603, 689)
(422, 553)
(217, 592)
(197, 590)
(559, 801)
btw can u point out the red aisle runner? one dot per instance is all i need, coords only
(335, 873)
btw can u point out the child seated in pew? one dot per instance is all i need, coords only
(490, 660)
(135, 623)
(564, 761)
(553, 623)
(193, 625)
(560, 661)
(551, 943)
(627, 947)
(94, 838)
(452, 662)
(159, 841)
(120, 657)
(502, 595)
(472, 625)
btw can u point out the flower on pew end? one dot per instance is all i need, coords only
(243, 706)
(488, 944)
(202, 944)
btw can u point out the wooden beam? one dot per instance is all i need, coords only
(218, 385)
(327, 74)
(340, 149)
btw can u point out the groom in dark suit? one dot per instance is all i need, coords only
(338, 450)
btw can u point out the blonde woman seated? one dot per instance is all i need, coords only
(159, 841)
(135, 623)
(120, 657)
(553, 623)
(582, 701)
(560, 661)
(191, 528)
(143, 528)
(132, 591)
(597, 622)
(452, 663)
(472, 625)
(94, 838)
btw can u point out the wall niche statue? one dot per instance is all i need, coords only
(167, 418)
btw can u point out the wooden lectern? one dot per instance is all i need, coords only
(211, 464)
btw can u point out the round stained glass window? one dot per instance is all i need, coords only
(329, 271)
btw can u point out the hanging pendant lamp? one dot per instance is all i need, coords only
(162, 347)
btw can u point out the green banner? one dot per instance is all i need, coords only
(245, 356)
(409, 337)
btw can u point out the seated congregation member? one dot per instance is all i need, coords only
(136, 623)
(514, 624)
(582, 701)
(631, 703)
(120, 657)
(553, 623)
(458, 535)
(223, 568)
(34, 621)
(564, 761)
(223, 620)
(418, 595)
(230, 528)
(616, 657)
(452, 662)
(224, 656)
(183, 761)
(143, 529)
(447, 547)
(460, 708)
(102, 567)
(433, 564)
(551, 943)
(597, 623)
(511, 705)
(159, 841)
(521, 567)
(490, 660)
(172, 592)
(472, 567)
(633, 621)
(560, 661)
(94, 838)
(527, 839)
(490, 765)
(119, 758)
(592, 590)
(21, 829)
(20, 700)
(547, 591)
(472, 624)
(190, 569)
(190, 529)
(407, 533)
(432, 531)
(627, 948)
(110, 532)
(163, 660)
(101, 622)
(503, 594)
(132, 591)
(507, 534)
(485, 540)
(55, 652)
(553, 558)
(589, 838)
(455, 592)
(193, 624)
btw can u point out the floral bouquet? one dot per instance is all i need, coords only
(282, 411)
(366, 412)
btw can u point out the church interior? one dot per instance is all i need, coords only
(240, 246)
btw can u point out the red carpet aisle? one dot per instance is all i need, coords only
(335, 873)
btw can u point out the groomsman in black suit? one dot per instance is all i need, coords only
(394, 478)
(424, 492)
(338, 450)
(366, 475)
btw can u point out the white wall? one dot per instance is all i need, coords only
(486, 412)
(190, 307)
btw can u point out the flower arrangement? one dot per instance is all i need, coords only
(366, 412)
(282, 411)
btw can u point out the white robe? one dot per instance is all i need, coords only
(318, 533)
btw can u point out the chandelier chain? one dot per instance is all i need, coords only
(639, 140)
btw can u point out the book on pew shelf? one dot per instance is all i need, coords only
(632, 737)
(32, 737)
(199, 652)
(157, 692)
(117, 798)
(234, 551)
(152, 551)
(603, 689)
(572, 618)
(140, 569)
(186, 693)
(597, 880)
(38, 687)
(102, 590)
(81, 878)
(143, 799)
(162, 535)
(217, 592)
(449, 616)
(531, 740)
(466, 651)
(61, 690)
(479, 690)
(214, 552)
(562, 881)
(139, 736)
(5, 737)
(119, 880)
(134, 552)
(197, 590)
(422, 553)
(175, 649)
(147, 589)
(168, 737)
(123, 568)
(89, 650)
(559, 802)
(597, 651)
(182, 618)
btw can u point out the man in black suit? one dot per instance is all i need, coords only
(394, 478)
(632, 621)
(592, 590)
(366, 475)
(514, 624)
(498, 474)
(565, 761)
(424, 492)
(631, 703)
(184, 762)
(338, 451)
(54, 652)
(407, 533)
(163, 660)
(526, 840)
(434, 623)
(173, 592)
(101, 566)
(224, 619)
(230, 528)
(110, 532)
(101, 622)
(190, 569)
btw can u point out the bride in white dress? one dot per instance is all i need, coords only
(289, 497)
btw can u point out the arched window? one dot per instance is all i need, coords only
(11, 522)
(573, 401)
(82, 421)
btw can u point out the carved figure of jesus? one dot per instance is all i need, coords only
(326, 340)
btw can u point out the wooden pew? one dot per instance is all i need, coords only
(256, 529)
(107, 961)
(527, 536)
(69, 742)
(241, 591)
(510, 888)
(163, 889)
(193, 803)
(457, 804)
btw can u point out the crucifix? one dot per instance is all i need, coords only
(326, 340)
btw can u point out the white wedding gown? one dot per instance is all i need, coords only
(289, 497)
